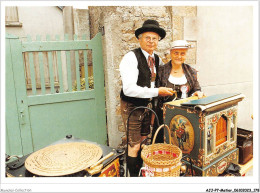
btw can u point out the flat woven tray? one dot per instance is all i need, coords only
(63, 159)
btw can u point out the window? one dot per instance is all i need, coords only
(11, 17)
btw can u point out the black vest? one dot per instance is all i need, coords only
(144, 77)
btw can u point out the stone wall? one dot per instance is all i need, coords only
(81, 22)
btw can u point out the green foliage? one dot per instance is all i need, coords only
(83, 83)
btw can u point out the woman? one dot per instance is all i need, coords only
(179, 76)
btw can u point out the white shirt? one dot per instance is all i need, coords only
(177, 80)
(129, 75)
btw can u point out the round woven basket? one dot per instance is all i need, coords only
(63, 159)
(161, 159)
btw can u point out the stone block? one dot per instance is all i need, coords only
(121, 128)
(191, 54)
(118, 111)
(190, 28)
(152, 11)
(185, 11)
(129, 38)
(178, 25)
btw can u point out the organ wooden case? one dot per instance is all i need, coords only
(206, 130)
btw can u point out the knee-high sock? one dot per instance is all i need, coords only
(132, 165)
(139, 160)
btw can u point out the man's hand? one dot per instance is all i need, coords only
(199, 94)
(164, 91)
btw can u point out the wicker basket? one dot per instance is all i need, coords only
(161, 159)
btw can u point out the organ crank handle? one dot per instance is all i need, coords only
(103, 159)
(175, 93)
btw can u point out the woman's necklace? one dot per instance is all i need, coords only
(176, 71)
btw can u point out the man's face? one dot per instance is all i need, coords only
(149, 41)
(178, 56)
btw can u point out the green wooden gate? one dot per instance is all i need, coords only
(40, 116)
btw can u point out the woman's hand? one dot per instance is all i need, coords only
(199, 94)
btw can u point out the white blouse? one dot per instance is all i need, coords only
(178, 80)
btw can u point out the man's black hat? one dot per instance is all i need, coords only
(151, 26)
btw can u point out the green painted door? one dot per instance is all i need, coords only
(56, 105)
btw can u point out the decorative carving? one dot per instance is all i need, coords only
(220, 150)
(219, 167)
(233, 156)
(209, 138)
(222, 165)
(169, 106)
(190, 110)
(201, 126)
(212, 171)
(230, 158)
(214, 119)
(199, 163)
(230, 113)
(201, 120)
(201, 151)
(200, 157)
(226, 146)
(201, 117)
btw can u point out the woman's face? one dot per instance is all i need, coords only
(178, 56)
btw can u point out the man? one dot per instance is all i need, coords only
(138, 72)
